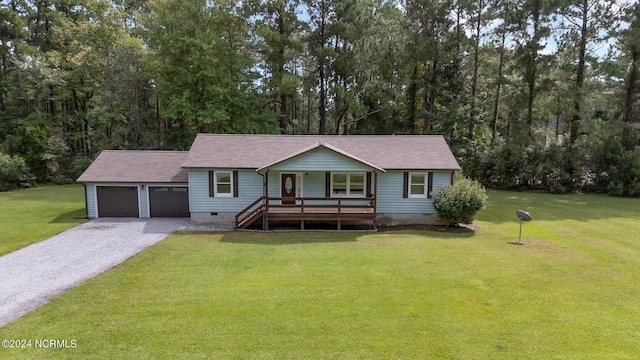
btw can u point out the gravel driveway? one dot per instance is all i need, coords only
(31, 276)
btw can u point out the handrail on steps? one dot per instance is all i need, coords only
(238, 215)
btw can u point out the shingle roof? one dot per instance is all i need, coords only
(130, 166)
(400, 152)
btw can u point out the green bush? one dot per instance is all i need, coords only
(31, 141)
(78, 166)
(499, 168)
(459, 203)
(14, 173)
(615, 170)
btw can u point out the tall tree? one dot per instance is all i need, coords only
(583, 29)
(433, 48)
(499, 80)
(529, 22)
(321, 17)
(481, 15)
(203, 73)
(279, 31)
(13, 36)
(630, 42)
(378, 56)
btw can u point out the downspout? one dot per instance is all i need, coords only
(86, 202)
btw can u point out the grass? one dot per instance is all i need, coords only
(32, 215)
(570, 292)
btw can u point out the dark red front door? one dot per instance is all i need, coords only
(288, 186)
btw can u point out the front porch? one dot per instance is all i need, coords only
(334, 209)
(317, 183)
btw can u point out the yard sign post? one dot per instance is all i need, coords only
(523, 216)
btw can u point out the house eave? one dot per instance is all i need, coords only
(424, 169)
(320, 144)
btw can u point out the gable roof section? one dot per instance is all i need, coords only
(388, 152)
(320, 144)
(131, 166)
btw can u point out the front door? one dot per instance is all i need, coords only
(288, 188)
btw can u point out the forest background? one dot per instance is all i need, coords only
(530, 94)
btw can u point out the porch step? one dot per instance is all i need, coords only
(249, 219)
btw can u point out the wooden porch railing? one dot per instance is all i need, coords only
(241, 217)
(309, 208)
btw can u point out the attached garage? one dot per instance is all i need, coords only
(117, 201)
(169, 201)
(130, 183)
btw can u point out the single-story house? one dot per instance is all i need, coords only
(239, 180)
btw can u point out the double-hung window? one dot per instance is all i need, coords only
(418, 185)
(223, 183)
(348, 184)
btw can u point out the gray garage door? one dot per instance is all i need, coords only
(118, 201)
(169, 201)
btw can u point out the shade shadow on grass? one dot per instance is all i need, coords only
(70, 217)
(288, 238)
(554, 207)
(302, 237)
(459, 229)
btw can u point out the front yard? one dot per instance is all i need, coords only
(32, 215)
(571, 292)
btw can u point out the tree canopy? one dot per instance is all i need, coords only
(529, 94)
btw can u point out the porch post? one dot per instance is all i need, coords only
(339, 216)
(375, 200)
(265, 202)
(375, 193)
(301, 213)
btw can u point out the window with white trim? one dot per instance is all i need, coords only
(348, 184)
(418, 185)
(223, 183)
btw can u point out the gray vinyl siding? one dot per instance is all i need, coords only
(441, 178)
(320, 159)
(249, 189)
(143, 199)
(91, 201)
(313, 186)
(390, 190)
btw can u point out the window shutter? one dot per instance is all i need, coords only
(405, 187)
(368, 190)
(451, 182)
(235, 183)
(211, 184)
(429, 184)
(327, 184)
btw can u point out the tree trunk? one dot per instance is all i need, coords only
(283, 113)
(476, 65)
(630, 95)
(411, 100)
(309, 114)
(322, 130)
(576, 119)
(430, 98)
(283, 97)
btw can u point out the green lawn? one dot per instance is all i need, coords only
(31, 215)
(570, 292)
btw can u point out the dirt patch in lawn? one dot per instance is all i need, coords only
(461, 228)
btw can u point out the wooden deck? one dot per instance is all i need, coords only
(312, 209)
